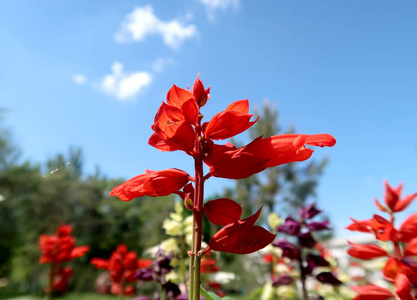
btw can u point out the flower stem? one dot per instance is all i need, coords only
(195, 259)
(303, 278)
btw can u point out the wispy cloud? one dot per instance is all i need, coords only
(213, 6)
(161, 64)
(142, 22)
(79, 79)
(123, 85)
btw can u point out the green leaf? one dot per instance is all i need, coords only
(211, 295)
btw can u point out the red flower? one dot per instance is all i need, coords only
(366, 252)
(229, 162)
(230, 122)
(173, 128)
(241, 237)
(61, 278)
(57, 249)
(392, 199)
(152, 183)
(371, 292)
(122, 267)
(402, 287)
(60, 247)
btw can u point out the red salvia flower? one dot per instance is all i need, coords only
(229, 162)
(122, 267)
(400, 268)
(392, 199)
(152, 183)
(56, 250)
(60, 247)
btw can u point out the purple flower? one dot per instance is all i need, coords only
(316, 226)
(282, 280)
(328, 277)
(315, 261)
(288, 249)
(145, 274)
(308, 211)
(306, 240)
(290, 227)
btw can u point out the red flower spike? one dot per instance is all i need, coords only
(177, 96)
(366, 252)
(229, 122)
(122, 267)
(411, 248)
(372, 292)
(241, 237)
(408, 229)
(200, 94)
(392, 198)
(222, 211)
(152, 183)
(402, 287)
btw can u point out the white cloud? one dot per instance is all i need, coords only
(161, 63)
(79, 79)
(212, 6)
(124, 85)
(142, 22)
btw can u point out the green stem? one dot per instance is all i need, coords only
(195, 259)
(51, 280)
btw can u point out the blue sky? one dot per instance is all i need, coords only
(93, 73)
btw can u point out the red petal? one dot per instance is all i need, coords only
(100, 263)
(404, 203)
(402, 287)
(156, 141)
(371, 292)
(366, 252)
(393, 267)
(201, 95)
(408, 229)
(177, 96)
(411, 248)
(240, 106)
(227, 124)
(64, 230)
(243, 240)
(191, 111)
(130, 189)
(361, 226)
(79, 251)
(222, 211)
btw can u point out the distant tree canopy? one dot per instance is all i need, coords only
(37, 198)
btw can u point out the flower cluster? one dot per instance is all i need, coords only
(302, 229)
(157, 272)
(56, 250)
(401, 266)
(178, 126)
(122, 267)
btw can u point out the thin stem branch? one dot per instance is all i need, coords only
(303, 278)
